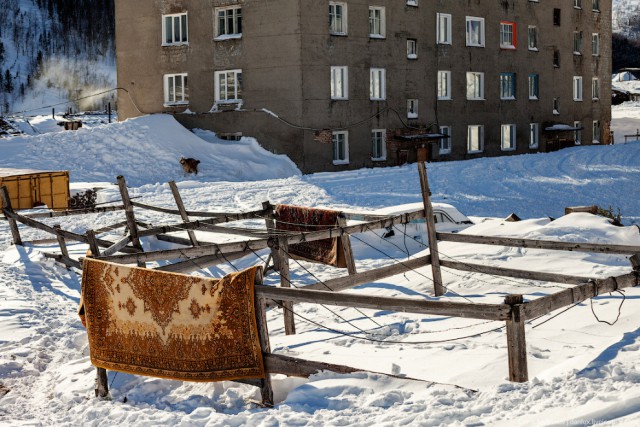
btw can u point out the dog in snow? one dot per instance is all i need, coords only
(189, 165)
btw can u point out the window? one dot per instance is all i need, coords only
(533, 86)
(228, 86)
(595, 5)
(595, 44)
(577, 42)
(412, 108)
(339, 83)
(595, 88)
(412, 49)
(377, 89)
(443, 30)
(556, 17)
(577, 88)
(174, 29)
(475, 31)
(475, 86)
(556, 106)
(577, 4)
(507, 86)
(340, 142)
(176, 91)
(577, 133)
(229, 22)
(534, 135)
(475, 139)
(508, 138)
(378, 144)
(376, 22)
(338, 18)
(556, 58)
(444, 85)
(508, 35)
(533, 37)
(445, 143)
(412, 2)
(596, 132)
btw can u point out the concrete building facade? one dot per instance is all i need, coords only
(359, 83)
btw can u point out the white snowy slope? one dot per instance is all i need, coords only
(582, 371)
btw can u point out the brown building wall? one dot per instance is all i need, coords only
(286, 52)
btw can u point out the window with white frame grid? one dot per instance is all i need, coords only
(377, 22)
(534, 135)
(412, 108)
(595, 5)
(597, 132)
(444, 85)
(595, 44)
(534, 86)
(577, 133)
(340, 143)
(475, 31)
(577, 88)
(412, 48)
(175, 29)
(229, 22)
(475, 86)
(532, 32)
(507, 86)
(577, 42)
(377, 84)
(445, 143)
(577, 4)
(508, 35)
(443, 28)
(595, 88)
(176, 89)
(228, 86)
(475, 139)
(338, 18)
(339, 83)
(508, 137)
(556, 106)
(378, 144)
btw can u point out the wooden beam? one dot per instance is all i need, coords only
(61, 242)
(183, 211)
(547, 304)
(270, 225)
(587, 209)
(517, 274)
(263, 336)
(131, 218)
(516, 342)
(220, 216)
(438, 286)
(69, 262)
(201, 263)
(120, 244)
(7, 210)
(285, 282)
(405, 305)
(93, 243)
(58, 214)
(539, 244)
(346, 246)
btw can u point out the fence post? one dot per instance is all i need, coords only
(6, 206)
(263, 335)
(271, 230)
(285, 282)
(346, 245)
(516, 342)
(93, 243)
(183, 211)
(431, 230)
(61, 242)
(131, 219)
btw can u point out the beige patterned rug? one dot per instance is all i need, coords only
(168, 325)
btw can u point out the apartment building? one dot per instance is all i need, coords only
(361, 83)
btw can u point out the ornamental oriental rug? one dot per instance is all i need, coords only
(168, 325)
(297, 218)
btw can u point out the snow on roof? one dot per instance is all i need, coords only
(5, 172)
(624, 76)
(562, 127)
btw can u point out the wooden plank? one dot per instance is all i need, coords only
(517, 274)
(547, 304)
(183, 211)
(61, 242)
(405, 305)
(438, 286)
(208, 225)
(285, 282)
(516, 341)
(270, 224)
(93, 243)
(263, 335)
(255, 244)
(7, 210)
(120, 244)
(221, 216)
(233, 231)
(131, 218)
(539, 244)
(75, 212)
(346, 246)
(586, 209)
(69, 262)
(200, 263)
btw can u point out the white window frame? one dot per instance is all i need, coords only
(444, 144)
(480, 136)
(338, 27)
(577, 4)
(377, 22)
(534, 135)
(577, 88)
(344, 135)
(171, 86)
(595, 44)
(534, 89)
(377, 84)
(595, 88)
(577, 42)
(577, 134)
(412, 108)
(475, 86)
(508, 137)
(412, 3)
(183, 20)
(412, 49)
(444, 85)
(237, 82)
(507, 86)
(339, 85)
(379, 135)
(508, 35)
(595, 5)
(471, 39)
(556, 106)
(236, 19)
(443, 28)
(532, 41)
(596, 132)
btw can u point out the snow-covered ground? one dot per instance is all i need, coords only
(582, 371)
